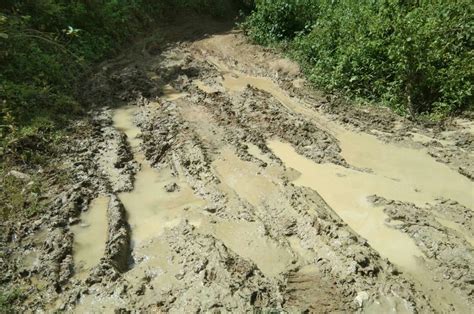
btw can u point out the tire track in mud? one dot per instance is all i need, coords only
(269, 219)
(400, 164)
(203, 136)
(207, 214)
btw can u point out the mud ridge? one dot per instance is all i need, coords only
(117, 248)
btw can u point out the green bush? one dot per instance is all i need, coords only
(275, 20)
(7, 299)
(217, 8)
(415, 56)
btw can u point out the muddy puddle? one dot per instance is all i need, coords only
(151, 208)
(235, 81)
(421, 177)
(253, 185)
(457, 228)
(171, 94)
(159, 199)
(378, 168)
(424, 139)
(414, 169)
(257, 153)
(90, 235)
(252, 244)
(245, 178)
(205, 87)
(347, 191)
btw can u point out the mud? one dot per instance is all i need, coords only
(344, 190)
(90, 235)
(209, 177)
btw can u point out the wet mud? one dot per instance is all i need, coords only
(210, 177)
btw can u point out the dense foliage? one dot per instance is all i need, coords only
(6, 300)
(415, 56)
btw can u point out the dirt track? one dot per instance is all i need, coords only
(214, 179)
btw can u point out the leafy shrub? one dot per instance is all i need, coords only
(275, 20)
(217, 8)
(7, 299)
(415, 56)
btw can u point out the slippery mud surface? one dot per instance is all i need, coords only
(211, 178)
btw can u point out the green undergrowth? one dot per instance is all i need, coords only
(7, 298)
(416, 57)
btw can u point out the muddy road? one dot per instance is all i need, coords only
(210, 177)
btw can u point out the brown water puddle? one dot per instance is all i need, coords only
(252, 244)
(414, 167)
(204, 87)
(150, 207)
(90, 235)
(456, 227)
(257, 153)
(235, 81)
(251, 184)
(393, 172)
(424, 179)
(171, 94)
(160, 269)
(346, 191)
(424, 139)
(246, 179)
(388, 304)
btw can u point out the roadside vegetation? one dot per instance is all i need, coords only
(7, 299)
(414, 56)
